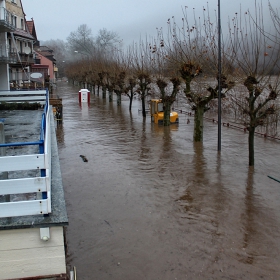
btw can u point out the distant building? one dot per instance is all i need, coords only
(7, 24)
(20, 50)
(44, 56)
(20, 45)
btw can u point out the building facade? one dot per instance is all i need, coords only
(18, 42)
(6, 57)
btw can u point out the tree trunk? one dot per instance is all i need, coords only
(166, 116)
(143, 106)
(119, 99)
(198, 124)
(98, 89)
(251, 146)
(104, 92)
(130, 100)
(110, 96)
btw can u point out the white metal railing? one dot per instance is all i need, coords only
(5, 15)
(39, 161)
(7, 56)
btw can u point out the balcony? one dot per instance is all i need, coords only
(12, 57)
(6, 24)
(26, 58)
(7, 57)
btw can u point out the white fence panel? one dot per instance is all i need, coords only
(25, 185)
(23, 96)
(22, 93)
(25, 162)
(23, 208)
(33, 99)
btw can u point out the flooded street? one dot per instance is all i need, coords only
(151, 204)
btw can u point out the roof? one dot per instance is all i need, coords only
(44, 49)
(23, 33)
(31, 27)
(51, 58)
(46, 52)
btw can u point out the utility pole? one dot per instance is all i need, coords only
(219, 76)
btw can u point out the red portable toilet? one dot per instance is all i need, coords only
(84, 95)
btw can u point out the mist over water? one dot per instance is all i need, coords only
(151, 204)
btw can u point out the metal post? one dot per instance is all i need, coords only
(219, 76)
(3, 175)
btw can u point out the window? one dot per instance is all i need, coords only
(22, 25)
(10, 45)
(14, 1)
(14, 20)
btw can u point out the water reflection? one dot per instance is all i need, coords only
(250, 213)
(145, 151)
(60, 133)
(196, 176)
(84, 106)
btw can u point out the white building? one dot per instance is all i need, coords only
(16, 46)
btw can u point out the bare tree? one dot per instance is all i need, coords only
(256, 59)
(166, 78)
(193, 50)
(82, 41)
(60, 51)
(107, 40)
(140, 63)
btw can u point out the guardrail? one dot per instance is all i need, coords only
(39, 161)
(231, 125)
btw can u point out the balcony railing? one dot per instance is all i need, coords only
(6, 24)
(6, 56)
(26, 58)
(10, 56)
(39, 161)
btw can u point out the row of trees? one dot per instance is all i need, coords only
(185, 59)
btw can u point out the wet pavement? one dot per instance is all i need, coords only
(151, 204)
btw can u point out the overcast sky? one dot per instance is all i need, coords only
(55, 19)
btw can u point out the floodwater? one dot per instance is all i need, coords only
(151, 204)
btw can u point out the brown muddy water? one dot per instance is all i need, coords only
(151, 204)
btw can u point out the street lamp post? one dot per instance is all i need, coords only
(219, 76)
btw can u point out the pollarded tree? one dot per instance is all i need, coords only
(119, 88)
(168, 96)
(193, 50)
(102, 75)
(166, 79)
(200, 98)
(256, 59)
(140, 60)
(144, 80)
(130, 90)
